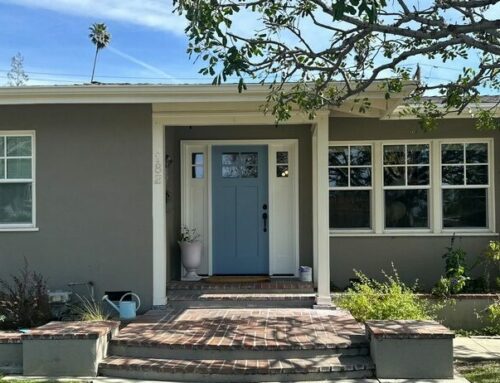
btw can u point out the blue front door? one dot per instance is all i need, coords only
(240, 226)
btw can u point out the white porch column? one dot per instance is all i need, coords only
(159, 216)
(321, 230)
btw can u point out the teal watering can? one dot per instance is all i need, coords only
(126, 309)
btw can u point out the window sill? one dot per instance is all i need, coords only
(18, 229)
(416, 234)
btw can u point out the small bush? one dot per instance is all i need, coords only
(24, 302)
(389, 299)
(493, 317)
(89, 310)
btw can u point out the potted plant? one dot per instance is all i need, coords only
(190, 252)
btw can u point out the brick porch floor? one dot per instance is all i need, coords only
(249, 329)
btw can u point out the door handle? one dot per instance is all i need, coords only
(264, 217)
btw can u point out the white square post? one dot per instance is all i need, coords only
(159, 216)
(321, 230)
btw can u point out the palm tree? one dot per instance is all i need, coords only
(101, 38)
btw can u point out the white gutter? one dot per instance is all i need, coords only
(138, 94)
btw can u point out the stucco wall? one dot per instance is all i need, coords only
(175, 134)
(414, 257)
(93, 197)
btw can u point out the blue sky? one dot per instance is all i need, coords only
(148, 42)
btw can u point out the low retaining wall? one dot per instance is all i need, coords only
(66, 348)
(11, 353)
(462, 311)
(408, 349)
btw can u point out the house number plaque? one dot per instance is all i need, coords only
(157, 169)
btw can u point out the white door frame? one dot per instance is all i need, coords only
(320, 125)
(274, 224)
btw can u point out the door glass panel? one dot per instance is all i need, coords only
(230, 171)
(249, 172)
(2, 147)
(248, 159)
(282, 157)
(230, 159)
(282, 171)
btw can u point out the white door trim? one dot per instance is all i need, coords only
(159, 215)
(274, 228)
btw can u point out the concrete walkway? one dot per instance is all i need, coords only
(476, 348)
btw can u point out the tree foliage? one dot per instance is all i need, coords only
(101, 38)
(315, 53)
(17, 76)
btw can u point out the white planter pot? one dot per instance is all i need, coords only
(191, 259)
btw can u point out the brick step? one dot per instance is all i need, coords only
(191, 299)
(273, 286)
(197, 351)
(241, 370)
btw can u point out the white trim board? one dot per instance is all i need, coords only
(196, 194)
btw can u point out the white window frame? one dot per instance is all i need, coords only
(428, 187)
(490, 193)
(435, 191)
(354, 188)
(6, 227)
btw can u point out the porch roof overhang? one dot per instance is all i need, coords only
(186, 98)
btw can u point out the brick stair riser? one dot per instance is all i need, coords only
(236, 377)
(216, 290)
(240, 304)
(231, 354)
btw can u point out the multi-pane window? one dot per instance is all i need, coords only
(16, 180)
(197, 165)
(282, 164)
(465, 184)
(406, 173)
(350, 178)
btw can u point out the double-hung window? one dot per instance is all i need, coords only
(16, 180)
(435, 186)
(406, 186)
(465, 184)
(350, 177)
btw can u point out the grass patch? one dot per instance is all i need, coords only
(487, 372)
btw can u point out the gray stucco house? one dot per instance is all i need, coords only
(96, 181)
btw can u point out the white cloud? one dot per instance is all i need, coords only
(143, 64)
(150, 13)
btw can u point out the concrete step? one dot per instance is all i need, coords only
(241, 370)
(203, 351)
(191, 299)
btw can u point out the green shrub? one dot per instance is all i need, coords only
(24, 302)
(389, 299)
(456, 277)
(89, 310)
(493, 317)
